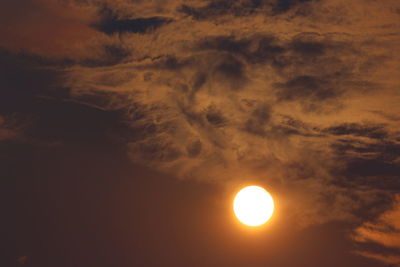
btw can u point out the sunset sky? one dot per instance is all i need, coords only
(128, 126)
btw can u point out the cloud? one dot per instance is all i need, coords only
(380, 239)
(217, 8)
(111, 23)
(298, 95)
(307, 87)
(134, 25)
(371, 131)
(258, 93)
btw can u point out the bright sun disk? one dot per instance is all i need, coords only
(253, 205)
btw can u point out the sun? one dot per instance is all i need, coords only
(253, 205)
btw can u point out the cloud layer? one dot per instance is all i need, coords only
(301, 96)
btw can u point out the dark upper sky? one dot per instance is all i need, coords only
(127, 127)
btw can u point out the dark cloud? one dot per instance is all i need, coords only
(371, 131)
(380, 239)
(112, 54)
(372, 172)
(215, 117)
(368, 164)
(291, 126)
(170, 62)
(217, 8)
(258, 49)
(231, 70)
(282, 6)
(257, 123)
(221, 8)
(307, 87)
(225, 43)
(315, 69)
(139, 25)
(314, 51)
(194, 148)
(309, 48)
(199, 80)
(385, 150)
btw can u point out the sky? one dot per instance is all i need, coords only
(127, 127)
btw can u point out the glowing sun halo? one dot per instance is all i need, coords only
(253, 206)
